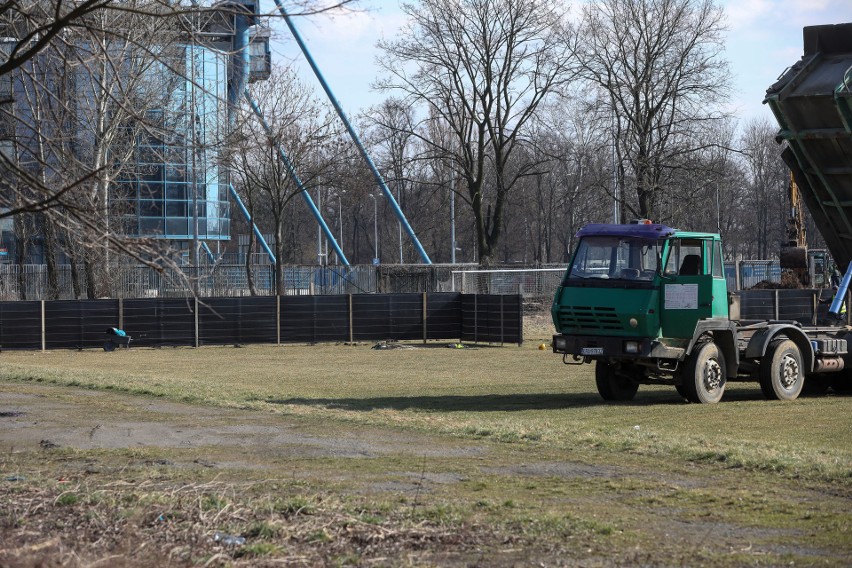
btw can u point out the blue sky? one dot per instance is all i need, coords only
(764, 38)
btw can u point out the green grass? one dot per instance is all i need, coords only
(555, 475)
(518, 395)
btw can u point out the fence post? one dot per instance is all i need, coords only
(196, 321)
(476, 318)
(121, 313)
(351, 328)
(777, 307)
(425, 335)
(501, 320)
(738, 276)
(43, 329)
(277, 319)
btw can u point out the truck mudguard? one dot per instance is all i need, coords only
(763, 337)
(724, 334)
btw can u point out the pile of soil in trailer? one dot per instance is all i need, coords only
(788, 282)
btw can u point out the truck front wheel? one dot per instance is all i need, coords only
(781, 371)
(704, 374)
(613, 386)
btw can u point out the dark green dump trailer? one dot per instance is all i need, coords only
(812, 102)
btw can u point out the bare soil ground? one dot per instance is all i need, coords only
(101, 478)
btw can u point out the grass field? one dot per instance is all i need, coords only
(563, 478)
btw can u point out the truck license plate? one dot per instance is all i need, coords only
(591, 351)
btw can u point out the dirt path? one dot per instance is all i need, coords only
(99, 476)
(33, 417)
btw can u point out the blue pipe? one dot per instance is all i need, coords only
(209, 252)
(240, 62)
(257, 232)
(396, 209)
(840, 295)
(298, 181)
(240, 65)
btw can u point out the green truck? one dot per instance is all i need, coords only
(648, 304)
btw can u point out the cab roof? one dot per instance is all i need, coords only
(649, 231)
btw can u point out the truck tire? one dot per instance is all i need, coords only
(704, 376)
(613, 386)
(782, 374)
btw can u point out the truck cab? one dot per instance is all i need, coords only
(632, 299)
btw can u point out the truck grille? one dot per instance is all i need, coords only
(588, 318)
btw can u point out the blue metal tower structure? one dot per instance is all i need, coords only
(246, 13)
(355, 138)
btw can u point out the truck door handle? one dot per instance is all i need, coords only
(705, 304)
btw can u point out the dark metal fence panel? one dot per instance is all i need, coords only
(308, 319)
(237, 320)
(20, 325)
(388, 316)
(443, 316)
(492, 318)
(312, 319)
(78, 323)
(160, 321)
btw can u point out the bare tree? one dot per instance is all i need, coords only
(659, 67)
(483, 67)
(265, 161)
(766, 187)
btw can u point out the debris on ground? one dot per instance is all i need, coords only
(392, 344)
(228, 539)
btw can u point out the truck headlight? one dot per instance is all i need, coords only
(631, 347)
(560, 343)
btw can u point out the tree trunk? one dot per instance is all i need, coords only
(21, 254)
(249, 270)
(75, 273)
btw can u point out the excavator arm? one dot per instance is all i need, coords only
(794, 251)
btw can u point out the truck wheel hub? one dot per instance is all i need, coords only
(789, 371)
(712, 375)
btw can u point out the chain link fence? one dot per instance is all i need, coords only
(535, 285)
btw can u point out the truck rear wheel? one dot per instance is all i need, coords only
(781, 371)
(704, 374)
(613, 386)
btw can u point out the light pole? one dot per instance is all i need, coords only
(340, 214)
(453, 217)
(718, 212)
(375, 227)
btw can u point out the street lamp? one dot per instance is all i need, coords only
(453, 218)
(375, 227)
(718, 212)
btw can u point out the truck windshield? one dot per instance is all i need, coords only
(619, 258)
